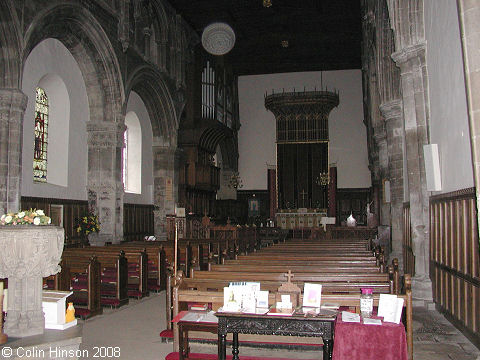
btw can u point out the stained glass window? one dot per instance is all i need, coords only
(41, 136)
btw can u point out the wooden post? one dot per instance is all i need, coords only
(175, 263)
(3, 337)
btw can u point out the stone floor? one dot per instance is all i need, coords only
(435, 338)
(134, 329)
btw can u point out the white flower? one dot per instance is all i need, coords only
(8, 219)
(40, 212)
(3, 217)
(36, 221)
(49, 220)
(21, 214)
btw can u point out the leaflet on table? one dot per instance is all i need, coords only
(350, 317)
(370, 321)
(390, 307)
(197, 316)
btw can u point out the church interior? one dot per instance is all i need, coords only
(179, 147)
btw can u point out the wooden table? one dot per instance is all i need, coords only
(184, 326)
(319, 326)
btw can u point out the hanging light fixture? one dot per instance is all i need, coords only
(218, 38)
(267, 3)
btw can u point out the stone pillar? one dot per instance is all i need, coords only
(104, 183)
(13, 103)
(411, 61)
(380, 138)
(166, 163)
(226, 191)
(469, 17)
(392, 112)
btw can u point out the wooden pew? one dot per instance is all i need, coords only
(113, 275)
(83, 278)
(156, 264)
(137, 266)
(295, 267)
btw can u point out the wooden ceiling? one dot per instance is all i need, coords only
(321, 34)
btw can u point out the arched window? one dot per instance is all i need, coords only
(40, 136)
(132, 154)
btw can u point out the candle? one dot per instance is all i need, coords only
(5, 297)
(1, 288)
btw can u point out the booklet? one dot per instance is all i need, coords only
(390, 307)
(369, 321)
(350, 317)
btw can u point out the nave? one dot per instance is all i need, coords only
(135, 329)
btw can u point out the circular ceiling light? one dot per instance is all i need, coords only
(218, 38)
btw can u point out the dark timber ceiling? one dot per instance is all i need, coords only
(322, 34)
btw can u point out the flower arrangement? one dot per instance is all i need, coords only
(25, 217)
(87, 224)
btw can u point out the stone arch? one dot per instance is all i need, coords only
(10, 47)
(84, 37)
(222, 136)
(150, 85)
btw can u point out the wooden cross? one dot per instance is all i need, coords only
(289, 275)
(303, 193)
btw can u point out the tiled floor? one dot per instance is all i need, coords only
(134, 329)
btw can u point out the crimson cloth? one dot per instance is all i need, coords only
(364, 342)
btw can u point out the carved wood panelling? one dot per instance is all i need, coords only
(72, 210)
(454, 258)
(137, 221)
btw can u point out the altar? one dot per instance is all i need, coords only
(302, 218)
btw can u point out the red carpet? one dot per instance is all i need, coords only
(174, 356)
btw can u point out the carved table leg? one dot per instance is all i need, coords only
(222, 350)
(327, 349)
(235, 347)
(181, 343)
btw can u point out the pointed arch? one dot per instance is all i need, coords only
(147, 82)
(10, 46)
(84, 37)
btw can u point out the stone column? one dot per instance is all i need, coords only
(392, 112)
(380, 138)
(104, 183)
(13, 103)
(411, 61)
(166, 163)
(469, 17)
(225, 191)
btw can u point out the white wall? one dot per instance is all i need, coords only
(448, 108)
(348, 141)
(135, 104)
(50, 62)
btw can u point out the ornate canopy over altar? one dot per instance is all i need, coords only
(303, 176)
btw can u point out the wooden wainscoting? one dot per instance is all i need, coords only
(454, 259)
(64, 212)
(408, 255)
(137, 221)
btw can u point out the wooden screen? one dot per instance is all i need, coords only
(299, 166)
(454, 259)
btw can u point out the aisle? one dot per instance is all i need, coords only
(134, 329)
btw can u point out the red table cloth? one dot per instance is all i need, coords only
(364, 342)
